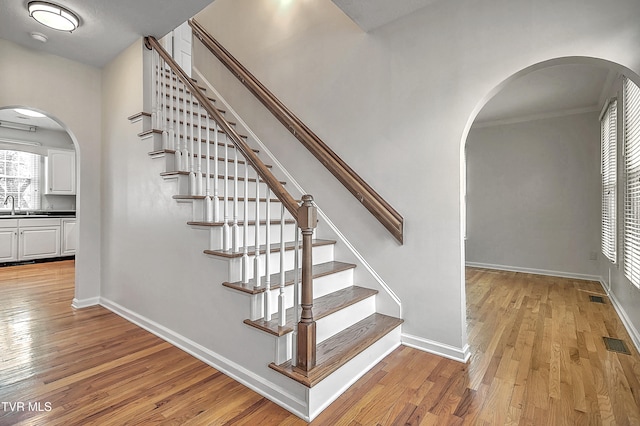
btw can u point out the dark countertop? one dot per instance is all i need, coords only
(38, 214)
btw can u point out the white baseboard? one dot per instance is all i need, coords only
(437, 348)
(534, 271)
(85, 303)
(628, 325)
(278, 395)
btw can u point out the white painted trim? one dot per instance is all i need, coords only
(535, 271)
(441, 349)
(85, 303)
(631, 329)
(251, 380)
(534, 117)
(332, 387)
(202, 80)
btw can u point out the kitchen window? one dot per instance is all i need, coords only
(20, 177)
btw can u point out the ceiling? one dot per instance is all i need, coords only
(371, 14)
(11, 116)
(106, 26)
(547, 92)
(109, 26)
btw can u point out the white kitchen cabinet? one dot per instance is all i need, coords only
(60, 175)
(69, 237)
(8, 240)
(38, 238)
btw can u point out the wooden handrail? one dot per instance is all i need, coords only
(278, 189)
(387, 215)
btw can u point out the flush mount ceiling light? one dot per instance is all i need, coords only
(29, 113)
(53, 16)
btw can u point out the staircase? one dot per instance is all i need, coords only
(326, 329)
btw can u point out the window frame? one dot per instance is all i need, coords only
(609, 179)
(631, 174)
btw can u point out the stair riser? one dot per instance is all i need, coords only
(321, 254)
(217, 234)
(342, 279)
(198, 208)
(184, 186)
(338, 321)
(170, 166)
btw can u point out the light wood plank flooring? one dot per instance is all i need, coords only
(538, 358)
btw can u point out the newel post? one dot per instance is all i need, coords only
(306, 349)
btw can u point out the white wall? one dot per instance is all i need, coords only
(533, 195)
(68, 92)
(396, 104)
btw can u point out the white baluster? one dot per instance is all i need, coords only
(267, 256)
(171, 102)
(256, 259)
(235, 228)
(163, 104)
(192, 171)
(154, 89)
(158, 123)
(185, 158)
(208, 201)
(282, 306)
(226, 231)
(216, 174)
(178, 140)
(199, 163)
(245, 227)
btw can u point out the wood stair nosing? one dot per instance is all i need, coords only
(240, 223)
(240, 199)
(172, 75)
(211, 157)
(172, 151)
(274, 248)
(322, 307)
(181, 89)
(317, 271)
(231, 178)
(181, 99)
(337, 350)
(181, 110)
(204, 127)
(159, 132)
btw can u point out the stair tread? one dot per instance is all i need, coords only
(322, 307)
(274, 248)
(317, 271)
(337, 350)
(204, 155)
(240, 178)
(195, 139)
(230, 160)
(240, 199)
(240, 223)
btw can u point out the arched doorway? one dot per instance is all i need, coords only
(38, 180)
(531, 163)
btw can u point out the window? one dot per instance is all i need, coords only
(20, 177)
(631, 247)
(608, 142)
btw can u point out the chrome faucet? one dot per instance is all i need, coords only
(13, 204)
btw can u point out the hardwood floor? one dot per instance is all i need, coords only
(538, 358)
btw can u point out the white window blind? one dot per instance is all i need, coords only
(20, 177)
(608, 143)
(631, 247)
